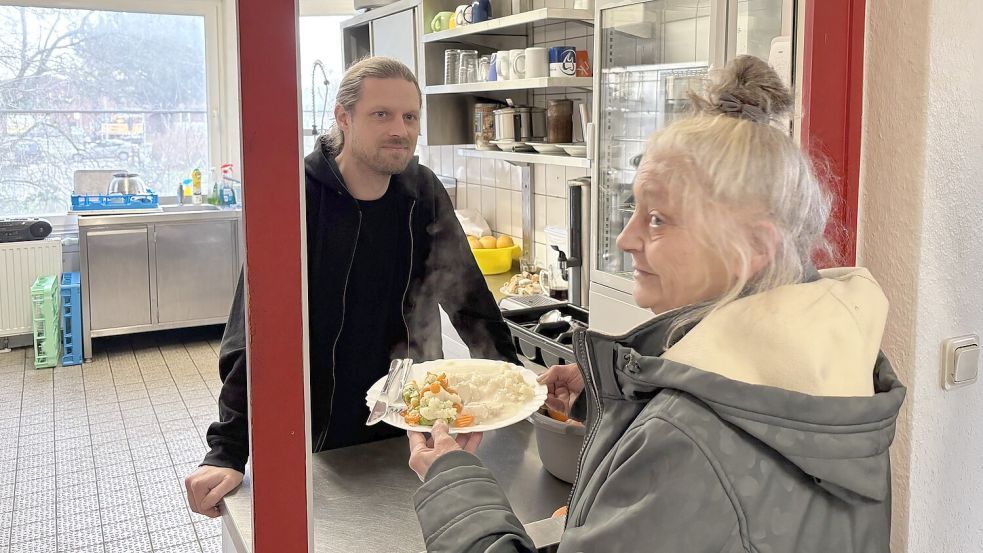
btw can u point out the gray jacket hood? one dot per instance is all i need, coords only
(840, 441)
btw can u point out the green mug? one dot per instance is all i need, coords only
(441, 21)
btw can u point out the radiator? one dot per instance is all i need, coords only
(20, 264)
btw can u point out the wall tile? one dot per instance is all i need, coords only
(517, 209)
(488, 202)
(538, 4)
(516, 177)
(474, 197)
(473, 165)
(447, 160)
(539, 35)
(503, 174)
(461, 199)
(539, 217)
(541, 257)
(556, 32)
(555, 3)
(576, 172)
(488, 173)
(539, 178)
(460, 169)
(556, 212)
(556, 181)
(435, 154)
(503, 211)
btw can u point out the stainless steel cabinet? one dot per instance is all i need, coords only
(196, 270)
(156, 271)
(118, 273)
(394, 36)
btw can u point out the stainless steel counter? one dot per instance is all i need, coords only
(168, 214)
(363, 495)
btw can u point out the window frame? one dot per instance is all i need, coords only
(216, 93)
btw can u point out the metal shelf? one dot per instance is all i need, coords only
(497, 26)
(517, 84)
(522, 157)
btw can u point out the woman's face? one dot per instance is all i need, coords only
(672, 267)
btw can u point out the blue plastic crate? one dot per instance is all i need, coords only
(71, 313)
(97, 202)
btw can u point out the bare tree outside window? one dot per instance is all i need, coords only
(83, 89)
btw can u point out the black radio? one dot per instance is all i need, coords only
(23, 229)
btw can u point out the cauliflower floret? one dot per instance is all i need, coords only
(433, 408)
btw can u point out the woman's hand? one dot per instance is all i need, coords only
(563, 384)
(424, 451)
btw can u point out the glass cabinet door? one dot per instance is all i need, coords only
(764, 29)
(650, 54)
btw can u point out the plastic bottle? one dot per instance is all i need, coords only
(180, 193)
(196, 183)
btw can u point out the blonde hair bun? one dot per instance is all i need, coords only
(746, 88)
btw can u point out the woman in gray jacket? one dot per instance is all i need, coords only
(755, 411)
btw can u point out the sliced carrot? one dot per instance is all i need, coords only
(411, 419)
(463, 420)
(459, 408)
(435, 388)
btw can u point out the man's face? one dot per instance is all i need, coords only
(383, 126)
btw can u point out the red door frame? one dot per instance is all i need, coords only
(832, 104)
(832, 107)
(275, 273)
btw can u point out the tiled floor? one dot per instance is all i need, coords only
(93, 457)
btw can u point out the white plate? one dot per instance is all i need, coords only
(511, 146)
(576, 150)
(544, 148)
(420, 372)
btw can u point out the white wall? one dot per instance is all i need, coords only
(921, 213)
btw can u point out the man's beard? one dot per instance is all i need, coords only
(382, 161)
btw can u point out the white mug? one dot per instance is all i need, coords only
(537, 63)
(518, 64)
(502, 63)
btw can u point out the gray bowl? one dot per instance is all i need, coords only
(559, 445)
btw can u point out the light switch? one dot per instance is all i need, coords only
(960, 361)
(967, 364)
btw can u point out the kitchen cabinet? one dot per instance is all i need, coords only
(155, 271)
(196, 270)
(394, 36)
(118, 263)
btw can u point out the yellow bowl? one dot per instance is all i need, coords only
(493, 261)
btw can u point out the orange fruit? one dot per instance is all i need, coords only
(489, 242)
(505, 241)
(474, 243)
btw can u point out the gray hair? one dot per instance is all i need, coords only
(730, 166)
(350, 90)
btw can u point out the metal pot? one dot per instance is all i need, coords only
(521, 124)
(127, 183)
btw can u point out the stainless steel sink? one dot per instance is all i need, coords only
(186, 207)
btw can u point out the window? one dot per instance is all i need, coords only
(320, 41)
(94, 89)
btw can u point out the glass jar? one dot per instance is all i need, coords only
(559, 121)
(484, 126)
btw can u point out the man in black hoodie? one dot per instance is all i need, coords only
(384, 249)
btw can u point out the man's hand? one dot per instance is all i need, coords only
(563, 384)
(424, 451)
(207, 486)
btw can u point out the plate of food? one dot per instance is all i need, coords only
(472, 395)
(523, 284)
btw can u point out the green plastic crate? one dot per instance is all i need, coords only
(47, 321)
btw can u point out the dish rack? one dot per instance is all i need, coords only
(102, 202)
(536, 347)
